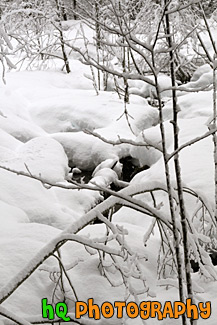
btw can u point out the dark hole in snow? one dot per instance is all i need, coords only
(154, 102)
(130, 169)
(82, 178)
(213, 256)
(195, 265)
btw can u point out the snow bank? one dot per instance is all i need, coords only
(42, 157)
(39, 203)
(19, 243)
(197, 165)
(143, 89)
(8, 141)
(63, 111)
(191, 105)
(19, 128)
(85, 151)
(200, 72)
(10, 214)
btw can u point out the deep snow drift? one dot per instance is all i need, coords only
(46, 120)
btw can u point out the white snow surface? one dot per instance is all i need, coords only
(42, 118)
(143, 89)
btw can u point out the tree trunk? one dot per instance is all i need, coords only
(177, 164)
(62, 43)
(74, 9)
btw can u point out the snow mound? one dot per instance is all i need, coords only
(19, 128)
(45, 157)
(104, 177)
(143, 89)
(13, 103)
(200, 71)
(109, 163)
(42, 157)
(191, 105)
(76, 202)
(19, 243)
(197, 166)
(8, 141)
(147, 154)
(10, 214)
(40, 204)
(64, 111)
(203, 82)
(86, 151)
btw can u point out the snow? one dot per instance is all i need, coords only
(45, 117)
(19, 128)
(200, 71)
(10, 214)
(191, 105)
(8, 141)
(196, 161)
(40, 204)
(88, 155)
(44, 157)
(109, 163)
(104, 177)
(66, 113)
(145, 90)
(19, 242)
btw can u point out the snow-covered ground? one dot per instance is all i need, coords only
(46, 121)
